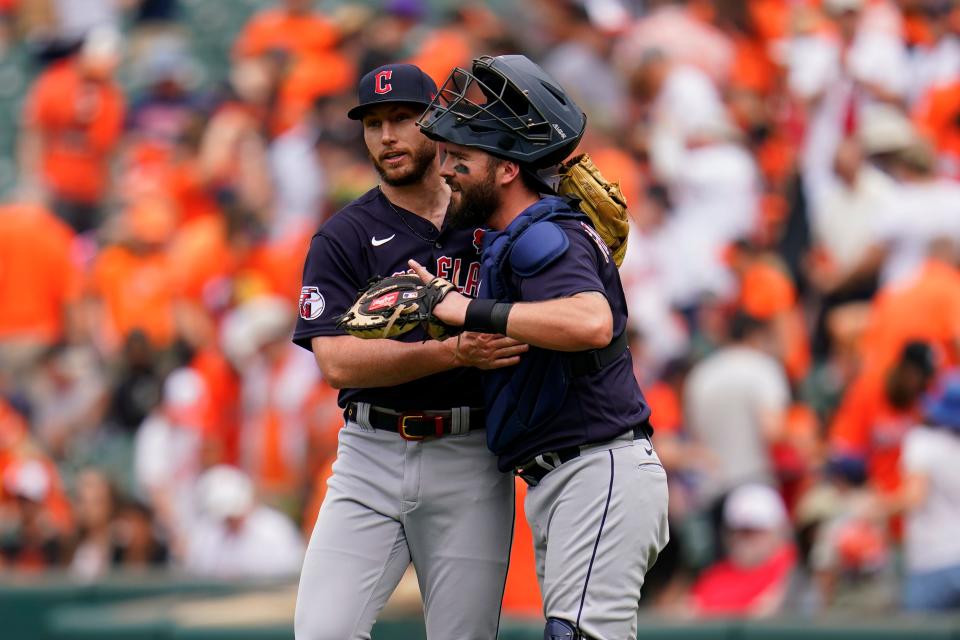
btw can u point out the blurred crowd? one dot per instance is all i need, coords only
(792, 172)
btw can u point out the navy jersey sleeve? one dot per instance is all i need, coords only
(331, 281)
(576, 271)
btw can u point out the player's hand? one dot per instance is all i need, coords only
(486, 350)
(453, 308)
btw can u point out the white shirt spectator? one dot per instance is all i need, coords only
(915, 215)
(688, 102)
(931, 529)
(715, 197)
(819, 72)
(843, 220)
(75, 18)
(934, 66)
(300, 184)
(266, 544)
(726, 398)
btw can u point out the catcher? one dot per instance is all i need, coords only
(570, 418)
(390, 307)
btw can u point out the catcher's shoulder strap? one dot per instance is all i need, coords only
(589, 362)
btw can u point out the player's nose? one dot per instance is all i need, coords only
(388, 133)
(446, 167)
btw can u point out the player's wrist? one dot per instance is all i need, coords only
(487, 316)
(451, 351)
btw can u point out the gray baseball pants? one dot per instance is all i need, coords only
(440, 503)
(598, 523)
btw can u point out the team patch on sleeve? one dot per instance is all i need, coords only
(311, 303)
(604, 249)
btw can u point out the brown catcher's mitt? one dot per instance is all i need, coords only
(392, 306)
(601, 200)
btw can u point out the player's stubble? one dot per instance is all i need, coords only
(421, 156)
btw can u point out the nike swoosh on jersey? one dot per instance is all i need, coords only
(377, 242)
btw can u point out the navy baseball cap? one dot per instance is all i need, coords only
(394, 83)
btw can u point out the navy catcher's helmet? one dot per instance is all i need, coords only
(509, 107)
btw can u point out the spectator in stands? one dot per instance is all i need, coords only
(137, 542)
(930, 498)
(879, 410)
(30, 538)
(136, 383)
(836, 78)
(73, 120)
(67, 395)
(39, 290)
(766, 292)
(735, 404)
(754, 579)
(299, 178)
(238, 537)
(850, 555)
(292, 27)
(278, 388)
(96, 504)
(167, 456)
(132, 285)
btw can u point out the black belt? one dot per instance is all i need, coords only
(416, 425)
(533, 471)
(592, 361)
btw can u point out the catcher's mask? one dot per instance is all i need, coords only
(509, 107)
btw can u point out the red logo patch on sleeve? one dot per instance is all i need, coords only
(386, 300)
(311, 303)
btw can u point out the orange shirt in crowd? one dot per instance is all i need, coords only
(618, 166)
(325, 73)
(867, 426)
(221, 419)
(927, 309)
(441, 51)
(79, 122)
(277, 29)
(936, 115)
(137, 291)
(665, 406)
(38, 278)
(521, 597)
(766, 292)
(203, 262)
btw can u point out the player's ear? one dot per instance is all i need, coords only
(508, 172)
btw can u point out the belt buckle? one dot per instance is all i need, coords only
(437, 425)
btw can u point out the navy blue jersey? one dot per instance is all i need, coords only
(371, 238)
(599, 406)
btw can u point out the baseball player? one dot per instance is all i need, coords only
(413, 479)
(570, 418)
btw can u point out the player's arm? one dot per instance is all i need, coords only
(580, 322)
(349, 362)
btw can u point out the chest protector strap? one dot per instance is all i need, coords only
(523, 399)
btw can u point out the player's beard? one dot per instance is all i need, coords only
(421, 157)
(477, 203)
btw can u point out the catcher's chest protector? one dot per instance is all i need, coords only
(523, 399)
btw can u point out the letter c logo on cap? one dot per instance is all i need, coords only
(380, 84)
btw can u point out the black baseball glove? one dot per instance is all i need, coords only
(392, 306)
